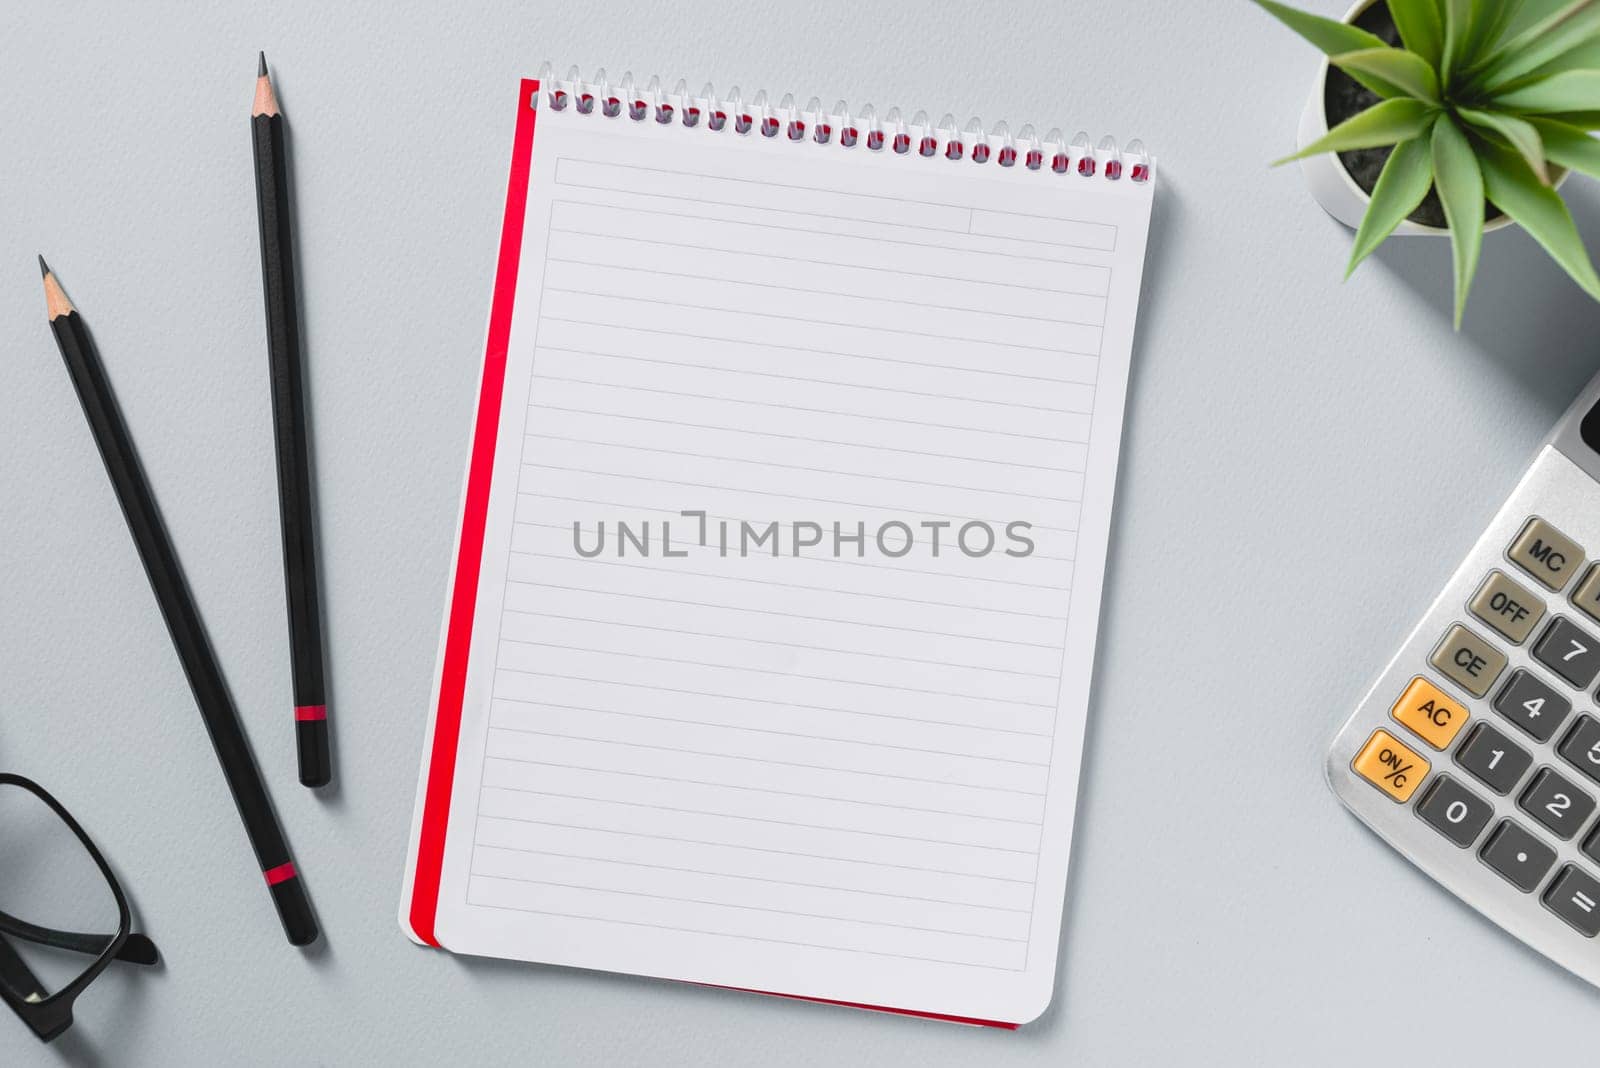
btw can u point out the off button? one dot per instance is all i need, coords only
(1468, 660)
(1507, 607)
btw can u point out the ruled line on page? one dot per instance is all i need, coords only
(798, 437)
(755, 200)
(767, 344)
(774, 612)
(741, 937)
(785, 645)
(760, 849)
(965, 250)
(797, 408)
(656, 717)
(771, 701)
(866, 506)
(703, 277)
(844, 265)
(764, 819)
(751, 908)
(601, 278)
(795, 496)
(783, 674)
(802, 586)
(747, 758)
(818, 381)
(750, 789)
(758, 879)
(795, 467)
(807, 320)
(702, 181)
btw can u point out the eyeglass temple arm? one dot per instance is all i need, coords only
(16, 975)
(136, 948)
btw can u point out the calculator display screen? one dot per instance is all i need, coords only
(1591, 428)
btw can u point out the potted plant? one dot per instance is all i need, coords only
(1453, 116)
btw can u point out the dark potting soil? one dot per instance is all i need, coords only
(1344, 97)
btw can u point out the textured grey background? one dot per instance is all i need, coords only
(1305, 462)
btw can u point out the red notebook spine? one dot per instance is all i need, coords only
(475, 508)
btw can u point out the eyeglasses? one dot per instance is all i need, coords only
(59, 903)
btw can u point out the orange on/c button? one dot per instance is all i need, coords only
(1390, 766)
(1429, 714)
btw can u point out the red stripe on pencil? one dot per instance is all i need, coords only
(284, 871)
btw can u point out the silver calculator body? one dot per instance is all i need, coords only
(1477, 751)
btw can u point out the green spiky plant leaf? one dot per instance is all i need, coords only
(1484, 102)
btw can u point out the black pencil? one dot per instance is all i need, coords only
(289, 430)
(178, 608)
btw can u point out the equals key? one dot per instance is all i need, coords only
(1575, 897)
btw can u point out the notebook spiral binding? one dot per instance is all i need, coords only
(839, 126)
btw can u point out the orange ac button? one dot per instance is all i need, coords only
(1431, 715)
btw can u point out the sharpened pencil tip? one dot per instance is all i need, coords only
(266, 102)
(55, 300)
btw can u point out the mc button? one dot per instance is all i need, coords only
(1468, 660)
(1547, 554)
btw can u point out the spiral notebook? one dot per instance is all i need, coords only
(767, 650)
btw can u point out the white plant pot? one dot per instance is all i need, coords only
(1330, 183)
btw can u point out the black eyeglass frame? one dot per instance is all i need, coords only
(49, 1016)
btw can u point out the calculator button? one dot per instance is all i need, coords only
(1390, 766)
(1591, 846)
(1581, 747)
(1507, 606)
(1431, 715)
(1556, 803)
(1470, 661)
(1587, 595)
(1570, 652)
(1453, 811)
(1575, 897)
(1545, 553)
(1517, 855)
(1533, 705)
(1493, 759)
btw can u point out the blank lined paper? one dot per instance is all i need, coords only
(846, 771)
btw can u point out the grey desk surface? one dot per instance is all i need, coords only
(1305, 462)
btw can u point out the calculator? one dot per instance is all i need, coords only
(1477, 751)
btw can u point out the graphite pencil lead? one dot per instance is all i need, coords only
(44, 268)
(261, 70)
(55, 299)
